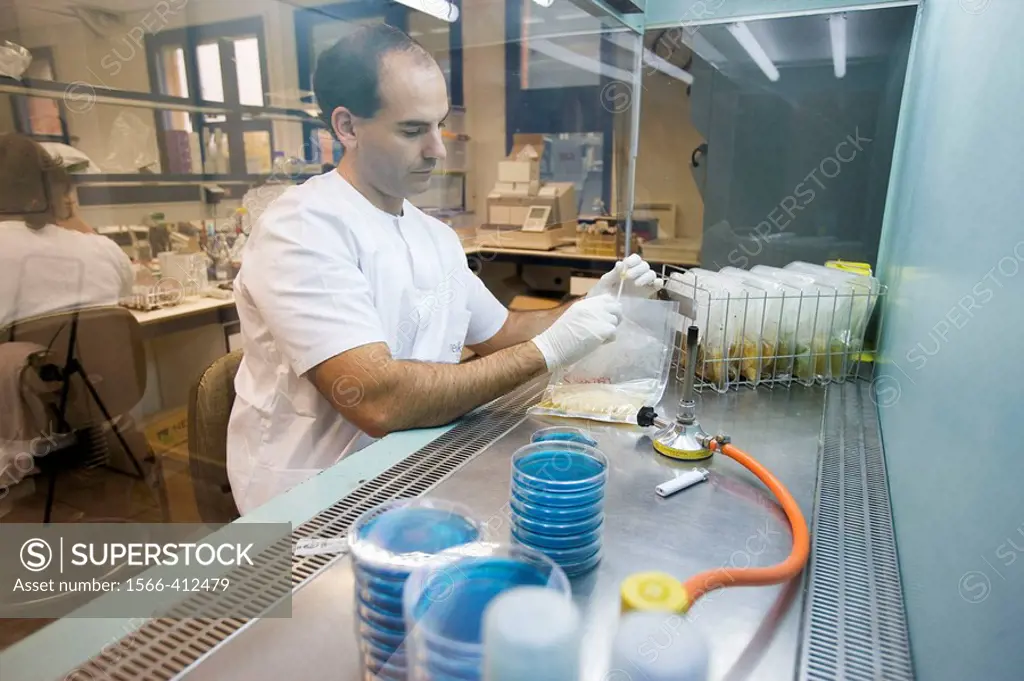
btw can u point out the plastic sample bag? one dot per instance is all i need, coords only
(860, 291)
(820, 351)
(719, 320)
(782, 313)
(629, 372)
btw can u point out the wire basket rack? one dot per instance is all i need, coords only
(766, 338)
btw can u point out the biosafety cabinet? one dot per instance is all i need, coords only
(880, 136)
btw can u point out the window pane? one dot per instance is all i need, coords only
(433, 35)
(211, 85)
(43, 112)
(563, 48)
(247, 66)
(175, 83)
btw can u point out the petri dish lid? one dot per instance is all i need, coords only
(563, 434)
(558, 466)
(398, 536)
(445, 601)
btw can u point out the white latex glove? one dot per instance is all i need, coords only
(581, 329)
(641, 280)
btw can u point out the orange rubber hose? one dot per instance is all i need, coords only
(702, 583)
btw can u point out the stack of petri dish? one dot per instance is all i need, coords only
(557, 502)
(386, 544)
(446, 600)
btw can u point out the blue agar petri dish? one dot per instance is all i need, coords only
(543, 542)
(593, 495)
(554, 514)
(559, 467)
(573, 529)
(375, 671)
(381, 537)
(385, 601)
(394, 657)
(381, 636)
(447, 632)
(584, 566)
(386, 543)
(564, 556)
(563, 434)
(387, 583)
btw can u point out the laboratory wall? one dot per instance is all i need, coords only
(666, 140)
(950, 387)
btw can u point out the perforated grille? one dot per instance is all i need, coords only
(855, 624)
(163, 648)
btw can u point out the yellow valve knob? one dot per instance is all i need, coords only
(653, 591)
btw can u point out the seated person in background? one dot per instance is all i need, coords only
(50, 260)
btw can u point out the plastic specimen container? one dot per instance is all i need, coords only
(445, 603)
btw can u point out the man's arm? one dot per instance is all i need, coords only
(519, 327)
(379, 394)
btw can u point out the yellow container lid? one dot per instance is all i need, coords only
(653, 591)
(854, 267)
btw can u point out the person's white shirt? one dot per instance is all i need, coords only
(52, 269)
(325, 271)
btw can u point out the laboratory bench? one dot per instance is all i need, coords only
(181, 341)
(843, 614)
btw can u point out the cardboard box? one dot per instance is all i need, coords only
(533, 303)
(167, 430)
(519, 171)
(527, 146)
(526, 188)
(492, 236)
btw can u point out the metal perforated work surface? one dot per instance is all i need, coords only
(164, 648)
(854, 624)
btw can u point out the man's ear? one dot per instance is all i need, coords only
(344, 124)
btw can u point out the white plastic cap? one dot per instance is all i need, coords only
(531, 634)
(658, 646)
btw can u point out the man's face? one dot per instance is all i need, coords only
(398, 149)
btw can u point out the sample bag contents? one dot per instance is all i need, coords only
(627, 373)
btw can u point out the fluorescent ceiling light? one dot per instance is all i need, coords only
(544, 3)
(441, 9)
(745, 38)
(667, 68)
(564, 54)
(704, 49)
(837, 29)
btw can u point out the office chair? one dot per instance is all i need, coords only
(209, 409)
(95, 363)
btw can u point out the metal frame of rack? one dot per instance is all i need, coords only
(776, 341)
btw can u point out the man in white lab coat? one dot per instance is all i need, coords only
(355, 306)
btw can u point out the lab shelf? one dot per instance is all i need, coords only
(80, 96)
